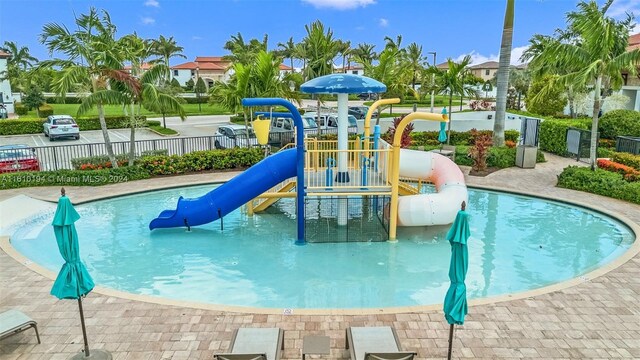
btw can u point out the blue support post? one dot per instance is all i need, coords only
(328, 181)
(300, 188)
(376, 141)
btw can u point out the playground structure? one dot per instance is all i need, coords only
(365, 167)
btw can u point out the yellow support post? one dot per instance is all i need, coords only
(250, 208)
(367, 119)
(395, 164)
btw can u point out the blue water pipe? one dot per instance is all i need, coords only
(365, 166)
(300, 187)
(376, 142)
(331, 163)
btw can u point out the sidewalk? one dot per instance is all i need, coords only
(596, 318)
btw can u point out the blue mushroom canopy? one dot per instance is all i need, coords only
(343, 84)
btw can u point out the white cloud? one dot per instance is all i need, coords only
(148, 20)
(196, 38)
(477, 58)
(620, 7)
(339, 4)
(152, 3)
(383, 22)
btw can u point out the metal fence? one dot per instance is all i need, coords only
(60, 156)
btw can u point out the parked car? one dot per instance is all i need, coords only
(368, 96)
(231, 136)
(331, 121)
(60, 126)
(18, 158)
(281, 132)
(360, 112)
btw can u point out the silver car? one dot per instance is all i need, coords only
(60, 126)
(230, 136)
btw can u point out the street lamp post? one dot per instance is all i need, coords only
(198, 89)
(433, 77)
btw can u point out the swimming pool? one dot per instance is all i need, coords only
(517, 244)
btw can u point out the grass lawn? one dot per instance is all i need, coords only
(116, 110)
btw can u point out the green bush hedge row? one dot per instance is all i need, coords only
(19, 127)
(626, 159)
(424, 138)
(102, 160)
(618, 123)
(601, 182)
(500, 157)
(77, 100)
(201, 160)
(553, 133)
(72, 177)
(21, 109)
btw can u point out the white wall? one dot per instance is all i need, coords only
(5, 89)
(183, 75)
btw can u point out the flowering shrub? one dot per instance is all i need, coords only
(510, 144)
(629, 173)
(201, 160)
(478, 105)
(627, 159)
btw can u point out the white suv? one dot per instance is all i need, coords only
(60, 126)
(230, 136)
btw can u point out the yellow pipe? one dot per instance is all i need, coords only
(372, 108)
(395, 164)
(276, 195)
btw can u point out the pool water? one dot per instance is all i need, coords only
(517, 243)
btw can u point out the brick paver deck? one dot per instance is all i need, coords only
(599, 318)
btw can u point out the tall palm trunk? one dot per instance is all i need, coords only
(132, 135)
(571, 98)
(594, 122)
(103, 127)
(503, 76)
(449, 122)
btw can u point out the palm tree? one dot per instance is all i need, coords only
(345, 51)
(321, 49)
(166, 48)
(365, 52)
(503, 76)
(20, 55)
(300, 52)
(395, 44)
(92, 56)
(242, 52)
(288, 50)
(416, 62)
(452, 81)
(599, 55)
(131, 90)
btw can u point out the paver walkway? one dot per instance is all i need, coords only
(599, 318)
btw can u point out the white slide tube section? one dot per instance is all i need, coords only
(431, 209)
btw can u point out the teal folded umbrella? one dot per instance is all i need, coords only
(442, 135)
(73, 281)
(455, 302)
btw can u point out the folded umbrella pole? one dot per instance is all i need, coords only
(73, 281)
(455, 302)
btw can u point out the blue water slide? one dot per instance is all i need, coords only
(230, 195)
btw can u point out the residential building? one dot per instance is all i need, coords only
(285, 69)
(143, 68)
(354, 69)
(209, 68)
(6, 97)
(485, 71)
(631, 83)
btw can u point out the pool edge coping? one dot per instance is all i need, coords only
(630, 253)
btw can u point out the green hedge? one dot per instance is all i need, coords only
(72, 177)
(21, 109)
(619, 123)
(45, 110)
(601, 182)
(553, 134)
(201, 160)
(19, 127)
(424, 138)
(500, 157)
(626, 159)
(102, 161)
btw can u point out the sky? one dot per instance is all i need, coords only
(451, 28)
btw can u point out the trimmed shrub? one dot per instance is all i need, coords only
(21, 109)
(629, 173)
(553, 134)
(626, 159)
(151, 123)
(549, 103)
(72, 177)
(619, 123)
(424, 138)
(601, 182)
(103, 162)
(201, 160)
(45, 110)
(34, 126)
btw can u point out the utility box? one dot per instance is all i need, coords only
(526, 156)
(527, 149)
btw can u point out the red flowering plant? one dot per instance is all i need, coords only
(406, 134)
(629, 173)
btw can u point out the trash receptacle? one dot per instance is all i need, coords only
(527, 149)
